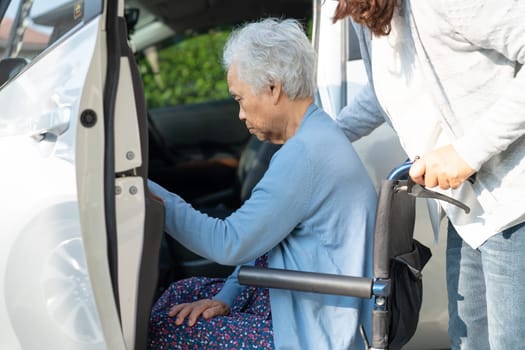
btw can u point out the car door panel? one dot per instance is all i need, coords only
(79, 260)
(55, 88)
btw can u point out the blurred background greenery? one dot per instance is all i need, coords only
(190, 69)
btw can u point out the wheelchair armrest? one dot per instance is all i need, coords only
(315, 282)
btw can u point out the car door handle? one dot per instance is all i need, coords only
(51, 133)
(54, 122)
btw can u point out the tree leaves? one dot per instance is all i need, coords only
(190, 71)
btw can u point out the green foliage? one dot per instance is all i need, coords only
(190, 71)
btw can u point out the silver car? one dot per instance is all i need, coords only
(91, 106)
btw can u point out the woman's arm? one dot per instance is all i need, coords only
(362, 116)
(492, 27)
(231, 289)
(277, 205)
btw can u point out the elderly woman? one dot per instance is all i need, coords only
(313, 210)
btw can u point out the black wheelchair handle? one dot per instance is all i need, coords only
(401, 173)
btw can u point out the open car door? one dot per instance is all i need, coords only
(79, 251)
(124, 274)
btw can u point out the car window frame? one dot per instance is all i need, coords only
(91, 9)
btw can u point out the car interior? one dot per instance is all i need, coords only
(199, 150)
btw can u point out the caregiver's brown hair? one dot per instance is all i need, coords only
(375, 14)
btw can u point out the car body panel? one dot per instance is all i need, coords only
(39, 138)
(78, 271)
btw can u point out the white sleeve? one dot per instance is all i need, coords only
(498, 27)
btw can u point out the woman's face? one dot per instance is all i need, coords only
(260, 112)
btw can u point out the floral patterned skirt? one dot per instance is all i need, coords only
(247, 326)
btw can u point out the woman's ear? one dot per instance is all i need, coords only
(276, 89)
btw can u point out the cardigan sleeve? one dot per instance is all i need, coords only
(231, 289)
(277, 205)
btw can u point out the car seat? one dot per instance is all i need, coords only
(177, 262)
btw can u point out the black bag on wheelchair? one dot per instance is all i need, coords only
(407, 294)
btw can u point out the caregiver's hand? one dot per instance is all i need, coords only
(442, 167)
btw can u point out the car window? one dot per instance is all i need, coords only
(46, 66)
(28, 28)
(185, 69)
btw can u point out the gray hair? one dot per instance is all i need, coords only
(273, 50)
